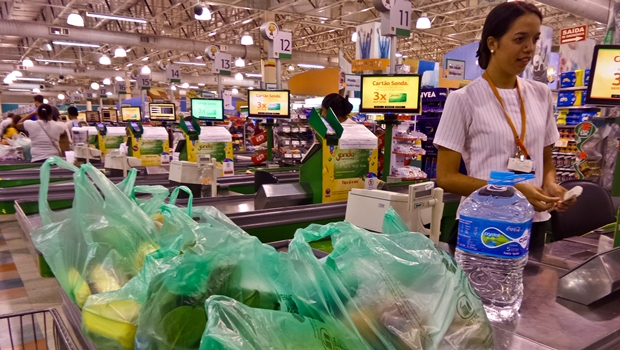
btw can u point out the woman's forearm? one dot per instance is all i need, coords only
(549, 174)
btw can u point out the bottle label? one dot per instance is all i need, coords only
(494, 238)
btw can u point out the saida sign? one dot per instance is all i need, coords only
(573, 35)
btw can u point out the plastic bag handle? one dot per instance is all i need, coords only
(129, 182)
(190, 201)
(45, 173)
(153, 190)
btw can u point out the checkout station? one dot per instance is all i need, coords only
(574, 306)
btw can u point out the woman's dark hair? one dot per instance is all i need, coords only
(45, 112)
(497, 24)
(340, 105)
(15, 117)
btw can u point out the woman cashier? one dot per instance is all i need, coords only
(502, 122)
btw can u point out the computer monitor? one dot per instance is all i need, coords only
(390, 94)
(604, 88)
(131, 113)
(273, 103)
(208, 109)
(92, 117)
(162, 111)
(109, 115)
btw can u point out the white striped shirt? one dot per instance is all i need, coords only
(474, 124)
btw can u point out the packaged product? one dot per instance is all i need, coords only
(586, 77)
(568, 79)
(570, 98)
(579, 77)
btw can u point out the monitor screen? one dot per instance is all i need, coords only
(208, 109)
(263, 103)
(131, 113)
(390, 94)
(109, 115)
(190, 127)
(135, 126)
(82, 116)
(92, 116)
(162, 111)
(604, 86)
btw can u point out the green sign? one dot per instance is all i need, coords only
(350, 163)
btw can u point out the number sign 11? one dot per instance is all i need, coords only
(398, 20)
(282, 46)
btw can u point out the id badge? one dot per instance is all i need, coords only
(520, 165)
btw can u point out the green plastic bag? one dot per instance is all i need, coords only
(98, 244)
(235, 326)
(417, 295)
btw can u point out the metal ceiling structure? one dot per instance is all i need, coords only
(320, 29)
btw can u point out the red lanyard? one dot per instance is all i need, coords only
(520, 141)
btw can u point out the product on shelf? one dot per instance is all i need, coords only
(570, 98)
(573, 79)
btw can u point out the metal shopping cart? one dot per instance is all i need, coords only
(36, 330)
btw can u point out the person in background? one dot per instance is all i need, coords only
(5, 123)
(38, 101)
(44, 133)
(500, 117)
(72, 113)
(11, 129)
(340, 105)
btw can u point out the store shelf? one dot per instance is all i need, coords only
(565, 169)
(577, 88)
(566, 126)
(579, 107)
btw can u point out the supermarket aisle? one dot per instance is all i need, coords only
(22, 289)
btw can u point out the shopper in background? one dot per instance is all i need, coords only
(38, 101)
(72, 113)
(340, 105)
(44, 133)
(65, 138)
(11, 128)
(500, 117)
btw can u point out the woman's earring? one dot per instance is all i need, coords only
(492, 51)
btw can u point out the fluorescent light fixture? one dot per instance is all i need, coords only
(246, 39)
(19, 90)
(94, 86)
(107, 81)
(246, 21)
(145, 58)
(423, 22)
(185, 86)
(239, 62)
(52, 61)
(36, 90)
(16, 74)
(193, 87)
(27, 62)
(61, 96)
(109, 93)
(205, 15)
(74, 19)
(212, 33)
(46, 47)
(30, 79)
(46, 101)
(120, 52)
(128, 50)
(238, 76)
(173, 88)
(132, 80)
(115, 17)
(315, 66)
(235, 91)
(199, 57)
(253, 75)
(250, 88)
(201, 84)
(105, 60)
(8, 80)
(398, 54)
(145, 70)
(291, 67)
(367, 9)
(119, 78)
(191, 63)
(129, 64)
(73, 43)
(354, 37)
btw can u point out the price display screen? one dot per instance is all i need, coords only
(263, 103)
(92, 117)
(208, 109)
(131, 113)
(162, 111)
(190, 127)
(110, 116)
(604, 86)
(390, 94)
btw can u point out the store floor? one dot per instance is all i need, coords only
(22, 289)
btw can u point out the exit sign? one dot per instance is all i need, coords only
(573, 35)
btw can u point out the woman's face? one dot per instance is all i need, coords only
(323, 112)
(516, 48)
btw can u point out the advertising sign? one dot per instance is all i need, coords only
(455, 69)
(370, 64)
(573, 35)
(352, 82)
(263, 103)
(604, 86)
(390, 94)
(344, 169)
(208, 109)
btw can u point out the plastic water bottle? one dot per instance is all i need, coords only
(495, 226)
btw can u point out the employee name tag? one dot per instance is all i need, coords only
(520, 165)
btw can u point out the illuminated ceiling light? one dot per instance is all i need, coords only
(185, 86)
(119, 78)
(199, 57)
(46, 47)
(116, 17)
(74, 19)
(73, 43)
(36, 90)
(52, 61)
(94, 86)
(190, 63)
(239, 62)
(212, 33)
(27, 62)
(46, 101)
(202, 13)
(238, 76)
(19, 90)
(253, 75)
(367, 9)
(129, 64)
(398, 54)
(61, 96)
(107, 81)
(246, 39)
(423, 22)
(193, 87)
(120, 52)
(246, 21)
(250, 88)
(201, 84)
(173, 88)
(354, 37)
(145, 70)
(145, 58)
(315, 66)
(291, 67)
(235, 91)
(16, 74)
(105, 60)
(8, 79)
(128, 50)
(109, 93)
(29, 79)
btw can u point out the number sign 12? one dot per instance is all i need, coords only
(282, 46)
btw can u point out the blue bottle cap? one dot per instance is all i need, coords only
(507, 178)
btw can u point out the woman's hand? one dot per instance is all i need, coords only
(537, 197)
(554, 190)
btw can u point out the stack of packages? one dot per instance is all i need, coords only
(147, 275)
